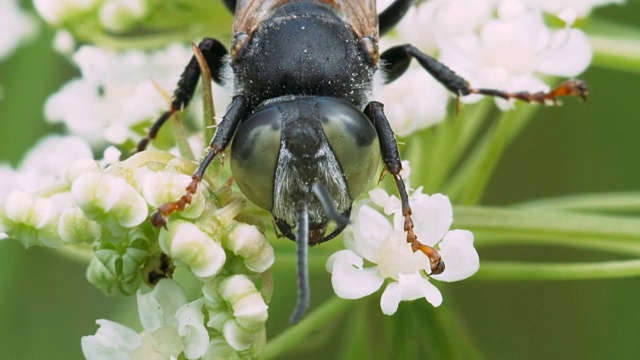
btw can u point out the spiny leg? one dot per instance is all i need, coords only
(396, 61)
(221, 139)
(391, 156)
(214, 53)
(302, 248)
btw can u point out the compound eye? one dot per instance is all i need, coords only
(254, 155)
(354, 142)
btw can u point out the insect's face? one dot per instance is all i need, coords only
(284, 148)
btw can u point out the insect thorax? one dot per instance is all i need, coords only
(310, 53)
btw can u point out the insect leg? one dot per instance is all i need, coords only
(391, 157)
(396, 61)
(231, 5)
(221, 139)
(392, 15)
(302, 248)
(214, 53)
(323, 196)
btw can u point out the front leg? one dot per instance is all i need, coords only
(236, 112)
(391, 157)
(397, 59)
(214, 53)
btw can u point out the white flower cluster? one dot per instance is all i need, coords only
(113, 15)
(116, 92)
(383, 246)
(497, 44)
(173, 326)
(108, 208)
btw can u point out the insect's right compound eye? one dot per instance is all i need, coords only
(354, 142)
(254, 155)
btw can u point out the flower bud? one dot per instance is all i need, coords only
(74, 227)
(81, 167)
(119, 16)
(162, 187)
(249, 243)
(185, 242)
(109, 200)
(56, 12)
(31, 220)
(241, 329)
(116, 274)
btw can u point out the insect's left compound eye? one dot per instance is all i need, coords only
(254, 155)
(354, 142)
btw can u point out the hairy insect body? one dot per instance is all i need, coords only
(299, 65)
(304, 49)
(305, 139)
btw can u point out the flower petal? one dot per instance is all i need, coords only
(568, 55)
(409, 287)
(159, 306)
(349, 279)
(459, 255)
(191, 328)
(432, 217)
(368, 230)
(391, 298)
(111, 341)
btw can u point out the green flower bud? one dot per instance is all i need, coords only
(74, 227)
(31, 220)
(117, 274)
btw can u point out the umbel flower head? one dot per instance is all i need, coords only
(388, 256)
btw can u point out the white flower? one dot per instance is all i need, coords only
(498, 44)
(507, 46)
(47, 162)
(172, 326)
(16, 26)
(373, 239)
(116, 91)
(405, 101)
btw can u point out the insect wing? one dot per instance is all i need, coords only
(360, 14)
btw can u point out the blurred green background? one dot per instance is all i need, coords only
(46, 304)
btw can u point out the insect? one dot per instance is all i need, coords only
(306, 139)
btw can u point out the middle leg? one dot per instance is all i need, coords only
(396, 60)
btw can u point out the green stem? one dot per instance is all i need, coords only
(53, 190)
(616, 53)
(207, 96)
(294, 335)
(469, 183)
(492, 270)
(180, 136)
(608, 202)
(78, 253)
(495, 226)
